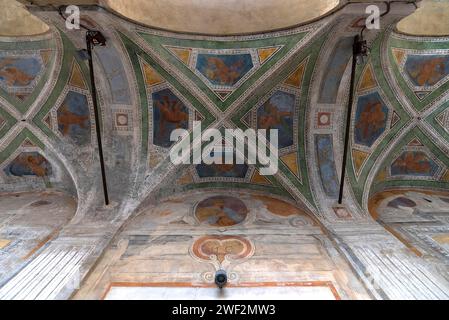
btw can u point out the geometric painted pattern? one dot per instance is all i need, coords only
(223, 70)
(291, 161)
(443, 120)
(359, 158)
(368, 80)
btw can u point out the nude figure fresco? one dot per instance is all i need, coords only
(169, 113)
(427, 70)
(29, 164)
(370, 119)
(224, 70)
(221, 211)
(74, 118)
(277, 113)
(414, 163)
(18, 72)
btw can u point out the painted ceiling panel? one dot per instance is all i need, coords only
(413, 153)
(151, 82)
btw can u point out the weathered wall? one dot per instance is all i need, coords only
(256, 239)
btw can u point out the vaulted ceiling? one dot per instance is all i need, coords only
(399, 132)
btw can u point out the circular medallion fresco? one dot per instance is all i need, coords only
(221, 211)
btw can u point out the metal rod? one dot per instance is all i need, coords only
(97, 117)
(348, 119)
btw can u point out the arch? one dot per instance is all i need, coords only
(230, 17)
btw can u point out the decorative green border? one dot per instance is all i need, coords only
(158, 43)
(134, 53)
(69, 53)
(49, 44)
(415, 133)
(311, 52)
(418, 104)
(358, 184)
(10, 121)
(17, 142)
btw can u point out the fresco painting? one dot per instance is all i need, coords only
(370, 119)
(401, 202)
(426, 70)
(221, 211)
(74, 118)
(19, 72)
(414, 163)
(115, 73)
(29, 164)
(224, 69)
(326, 164)
(169, 113)
(278, 113)
(222, 170)
(335, 69)
(279, 207)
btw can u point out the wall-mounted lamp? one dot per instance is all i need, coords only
(221, 278)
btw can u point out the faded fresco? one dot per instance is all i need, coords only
(414, 163)
(224, 70)
(277, 113)
(169, 113)
(418, 218)
(74, 118)
(426, 70)
(326, 164)
(222, 170)
(18, 72)
(401, 202)
(208, 248)
(115, 73)
(370, 119)
(29, 164)
(221, 211)
(279, 207)
(335, 69)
